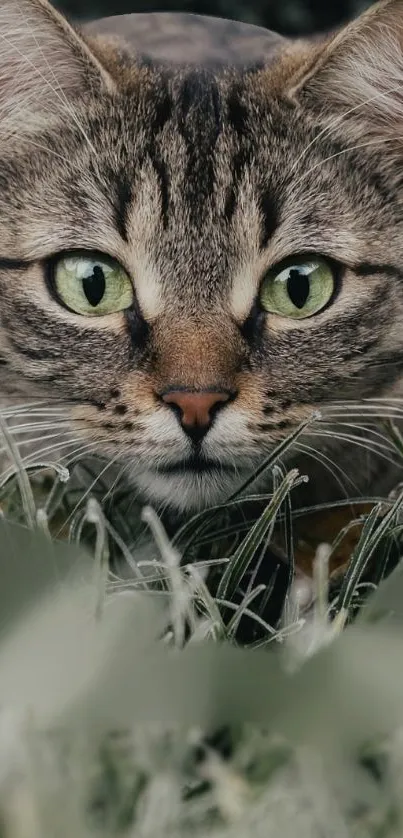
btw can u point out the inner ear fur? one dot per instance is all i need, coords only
(359, 70)
(44, 64)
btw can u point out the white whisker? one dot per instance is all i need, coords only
(367, 430)
(89, 490)
(328, 464)
(54, 447)
(367, 418)
(85, 448)
(386, 399)
(31, 460)
(31, 409)
(366, 403)
(42, 438)
(375, 448)
(363, 411)
(378, 142)
(16, 430)
(338, 120)
(116, 482)
(48, 150)
(57, 90)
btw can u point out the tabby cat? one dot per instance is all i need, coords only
(201, 242)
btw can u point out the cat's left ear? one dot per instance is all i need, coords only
(359, 71)
(44, 65)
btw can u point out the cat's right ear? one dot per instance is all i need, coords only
(44, 65)
(359, 71)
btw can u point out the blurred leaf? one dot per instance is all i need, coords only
(350, 692)
(32, 566)
(51, 644)
(386, 603)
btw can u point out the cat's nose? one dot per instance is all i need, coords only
(196, 410)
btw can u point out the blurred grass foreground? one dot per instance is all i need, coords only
(139, 698)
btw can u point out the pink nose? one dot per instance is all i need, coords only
(195, 408)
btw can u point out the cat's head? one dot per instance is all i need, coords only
(192, 261)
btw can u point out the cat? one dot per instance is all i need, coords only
(201, 243)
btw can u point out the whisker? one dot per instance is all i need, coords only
(354, 408)
(31, 409)
(353, 437)
(54, 447)
(16, 430)
(364, 417)
(378, 142)
(48, 150)
(57, 90)
(42, 438)
(360, 443)
(374, 402)
(328, 464)
(337, 121)
(88, 491)
(366, 430)
(87, 448)
(387, 399)
(30, 460)
(116, 482)
(360, 407)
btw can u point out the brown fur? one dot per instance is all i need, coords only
(198, 177)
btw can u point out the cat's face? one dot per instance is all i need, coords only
(192, 263)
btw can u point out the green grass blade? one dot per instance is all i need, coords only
(275, 455)
(243, 556)
(370, 538)
(27, 497)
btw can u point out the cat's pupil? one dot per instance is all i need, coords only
(298, 286)
(94, 286)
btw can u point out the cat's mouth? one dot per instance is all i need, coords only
(196, 465)
(191, 483)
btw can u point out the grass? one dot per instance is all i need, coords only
(190, 680)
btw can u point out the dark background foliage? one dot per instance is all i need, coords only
(286, 16)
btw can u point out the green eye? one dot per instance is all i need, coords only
(300, 288)
(92, 285)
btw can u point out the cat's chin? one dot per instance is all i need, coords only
(187, 491)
